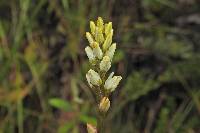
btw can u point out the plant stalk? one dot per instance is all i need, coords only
(101, 123)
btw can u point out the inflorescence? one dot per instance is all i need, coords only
(100, 53)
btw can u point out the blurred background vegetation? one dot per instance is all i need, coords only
(43, 64)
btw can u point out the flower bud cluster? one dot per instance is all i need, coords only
(100, 52)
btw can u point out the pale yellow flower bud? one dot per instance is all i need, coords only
(93, 78)
(88, 80)
(90, 54)
(112, 82)
(104, 104)
(97, 50)
(91, 129)
(92, 27)
(108, 41)
(99, 35)
(108, 28)
(100, 23)
(89, 38)
(110, 52)
(105, 64)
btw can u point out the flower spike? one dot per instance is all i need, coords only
(100, 53)
(93, 78)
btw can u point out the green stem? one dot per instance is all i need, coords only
(20, 116)
(11, 121)
(101, 124)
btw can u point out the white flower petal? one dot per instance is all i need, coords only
(88, 80)
(116, 80)
(110, 52)
(105, 64)
(97, 50)
(94, 78)
(111, 75)
(112, 82)
(90, 54)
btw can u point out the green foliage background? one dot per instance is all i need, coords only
(43, 64)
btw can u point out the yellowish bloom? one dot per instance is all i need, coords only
(93, 78)
(91, 129)
(100, 23)
(112, 82)
(110, 52)
(99, 35)
(108, 28)
(89, 38)
(97, 50)
(104, 104)
(90, 54)
(88, 80)
(92, 27)
(100, 53)
(108, 41)
(105, 64)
